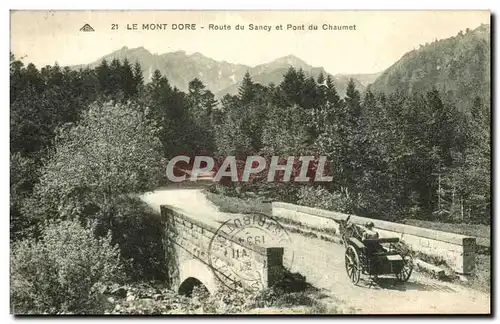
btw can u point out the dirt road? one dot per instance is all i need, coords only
(322, 263)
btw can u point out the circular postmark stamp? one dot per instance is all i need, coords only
(245, 252)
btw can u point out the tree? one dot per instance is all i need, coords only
(63, 272)
(103, 76)
(128, 80)
(171, 110)
(156, 78)
(353, 103)
(138, 75)
(310, 95)
(331, 93)
(23, 176)
(113, 150)
(286, 132)
(209, 102)
(321, 78)
(292, 86)
(201, 103)
(246, 91)
(16, 77)
(464, 191)
(231, 138)
(196, 89)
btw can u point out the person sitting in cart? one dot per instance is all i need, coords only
(370, 233)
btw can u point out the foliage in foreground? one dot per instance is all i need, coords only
(138, 232)
(156, 299)
(63, 272)
(320, 197)
(113, 150)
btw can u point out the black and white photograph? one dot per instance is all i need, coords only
(271, 162)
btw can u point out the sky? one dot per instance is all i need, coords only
(375, 41)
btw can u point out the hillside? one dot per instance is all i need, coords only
(219, 76)
(457, 66)
(364, 79)
(266, 75)
(179, 67)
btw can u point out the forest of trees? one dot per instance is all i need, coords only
(82, 140)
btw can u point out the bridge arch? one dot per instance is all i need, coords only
(187, 286)
(194, 272)
(188, 244)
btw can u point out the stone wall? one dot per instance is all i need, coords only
(457, 250)
(217, 256)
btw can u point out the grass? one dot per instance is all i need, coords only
(237, 205)
(143, 298)
(294, 295)
(481, 279)
(481, 232)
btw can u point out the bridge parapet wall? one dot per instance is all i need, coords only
(230, 261)
(457, 250)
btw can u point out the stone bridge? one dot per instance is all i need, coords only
(199, 253)
(201, 247)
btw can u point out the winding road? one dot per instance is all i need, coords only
(322, 263)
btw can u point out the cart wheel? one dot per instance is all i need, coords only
(352, 265)
(343, 238)
(405, 272)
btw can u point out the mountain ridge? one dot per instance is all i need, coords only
(220, 77)
(459, 67)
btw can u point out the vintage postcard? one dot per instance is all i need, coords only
(250, 162)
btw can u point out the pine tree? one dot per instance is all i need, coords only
(310, 95)
(195, 90)
(209, 102)
(353, 103)
(156, 79)
(321, 78)
(103, 75)
(246, 91)
(331, 93)
(128, 81)
(115, 79)
(138, 79)
(138, 74)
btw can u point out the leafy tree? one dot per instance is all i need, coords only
(232, 139)
(286, 131)
(64, 272)
(419, 152)
(23, 176)
(112, 150)
(201, 103)
(178, 131)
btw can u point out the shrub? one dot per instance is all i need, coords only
(23, 176)
(63, 272)
(112, 150)
(320, 197)
(277, 191)
(237, 205)
(138, 231)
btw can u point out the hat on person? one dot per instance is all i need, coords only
(369, 225)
